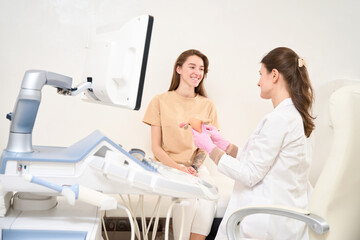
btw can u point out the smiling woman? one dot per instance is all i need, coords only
(173, 146)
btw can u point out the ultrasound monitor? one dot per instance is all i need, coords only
(116, 63)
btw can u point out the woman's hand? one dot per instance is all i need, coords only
(189, 170)
(202, 140)
(219, 141)
(192, 171)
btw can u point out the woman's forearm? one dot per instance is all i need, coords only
(232, 150)
(164, 158)
(217, 153)
(199, 159)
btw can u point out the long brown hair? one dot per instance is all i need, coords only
(295, 73)
(175, 81)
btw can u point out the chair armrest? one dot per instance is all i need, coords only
(316, 223)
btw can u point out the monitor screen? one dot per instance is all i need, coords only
(116, 63)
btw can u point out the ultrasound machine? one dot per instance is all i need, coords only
(60, 192)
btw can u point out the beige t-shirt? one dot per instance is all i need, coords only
(168, 110)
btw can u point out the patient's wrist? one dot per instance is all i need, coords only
(195, 167)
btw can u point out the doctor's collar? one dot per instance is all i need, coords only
(285, 102)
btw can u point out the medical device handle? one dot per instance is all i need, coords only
(77, 192)
(27, 105)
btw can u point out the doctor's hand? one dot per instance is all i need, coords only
(202, 140)
(219, 141)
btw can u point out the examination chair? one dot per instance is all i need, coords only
(334, 208)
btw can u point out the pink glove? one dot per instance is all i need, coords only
(219, 141)
(202, 140)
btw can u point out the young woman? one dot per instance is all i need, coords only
(274, 165)
(173, 146)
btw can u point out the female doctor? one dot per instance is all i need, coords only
(273, 167)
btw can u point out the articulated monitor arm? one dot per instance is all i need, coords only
(27, 105)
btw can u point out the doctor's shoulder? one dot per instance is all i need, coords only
(278, 119)
(287, 122)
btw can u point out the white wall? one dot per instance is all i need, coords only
(235, 35)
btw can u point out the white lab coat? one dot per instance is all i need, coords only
(272, 168)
